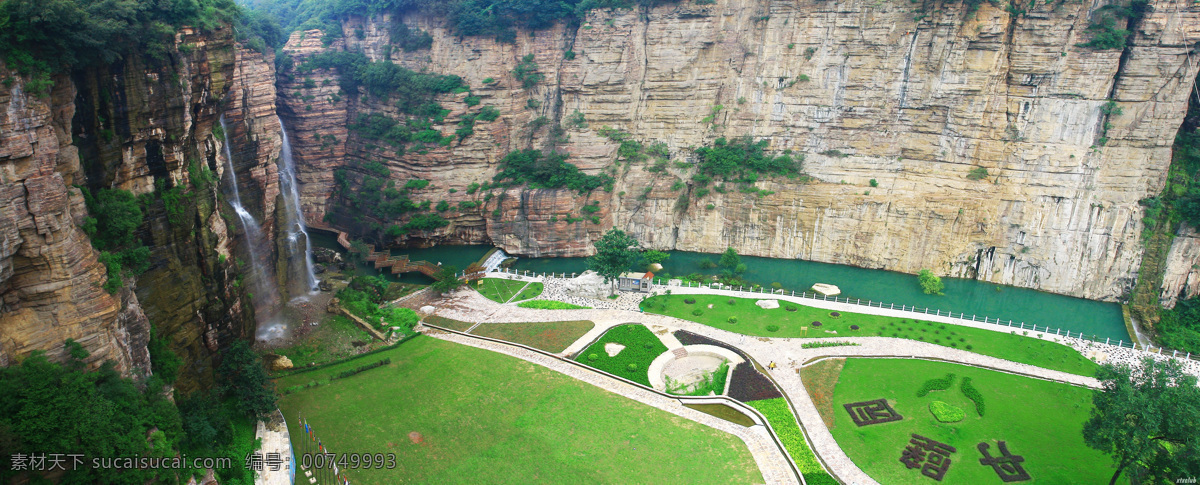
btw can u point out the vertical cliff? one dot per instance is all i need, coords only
(913, 98)
(144, 125)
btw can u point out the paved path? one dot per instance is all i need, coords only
(1098, 351)
(771, 462)
(785, 352)
(274, 436)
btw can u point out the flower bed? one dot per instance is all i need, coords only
(780, 416)
(641, 348)
(747, 383)
(945, 412)
(817, 345)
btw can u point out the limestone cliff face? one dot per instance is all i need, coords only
(49, 276)
(865, 90)
(144, 126)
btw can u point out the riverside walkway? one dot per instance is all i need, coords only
(787, 353)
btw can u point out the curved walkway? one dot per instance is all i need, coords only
(1102, 351)
(785, 352)
(771, 462)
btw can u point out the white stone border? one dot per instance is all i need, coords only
(655, 370)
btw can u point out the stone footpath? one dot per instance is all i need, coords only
(786, 353)
(274, 436)
(772, 463)
(1100, 352)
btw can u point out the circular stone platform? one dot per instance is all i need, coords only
(689, 367)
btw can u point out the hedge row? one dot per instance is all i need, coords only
(780, 416)
(341, 375)
(347, 359)
(972, 394)
(936, 385)
(817, 345)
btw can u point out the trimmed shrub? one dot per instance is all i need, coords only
(936, 385)
(731, 320)
(593, 357)
(697, 312)
(835, 314)
(690, 301)
(732, 301)
(816, 324)
(790, 308)
(772, 328)
(945, 412)
(854, 327)
(632, 367)
(972, 394)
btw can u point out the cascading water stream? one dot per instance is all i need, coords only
(296, 228)
(266, 296)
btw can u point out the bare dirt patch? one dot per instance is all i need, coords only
(819, 380)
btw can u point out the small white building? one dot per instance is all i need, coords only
(636, 282)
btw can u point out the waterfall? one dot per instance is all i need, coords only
(266, 295)
(297, 231)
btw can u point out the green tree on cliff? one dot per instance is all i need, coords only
(615, 253)
(246, 380)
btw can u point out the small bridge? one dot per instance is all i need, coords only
(382, 259)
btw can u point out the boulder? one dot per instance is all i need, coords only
(326, 256)
(281, 362)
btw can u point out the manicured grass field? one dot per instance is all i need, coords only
(334, 339)
(641, 348)
(448, 323)
(1041, 421)
(498, 289)
(548, 336)
(531, 291)
(484, 417)
(753, 320)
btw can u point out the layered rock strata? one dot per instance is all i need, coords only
(911, 100)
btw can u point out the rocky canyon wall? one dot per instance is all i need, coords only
(911, 99)
(143, 125)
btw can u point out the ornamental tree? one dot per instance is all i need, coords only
(1148, 420)
(615, 253)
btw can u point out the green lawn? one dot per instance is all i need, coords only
(448, 323)
(752, 320)
(784, 423)
(485, 417)
(531, 291)
(333, 339)
(498, 289)
(641, 348)
(548, 336)
(1041, 421)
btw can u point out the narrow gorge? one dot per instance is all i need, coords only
(980, 140)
